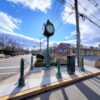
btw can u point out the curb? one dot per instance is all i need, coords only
(41, 89)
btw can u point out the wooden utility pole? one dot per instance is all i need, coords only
(78, 32)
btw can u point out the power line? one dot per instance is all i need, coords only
(92, 22)
(58, 13)
(95, 5)
(84, 16)
(62, 22)
(64, 3)
(88, 11)
(54, 7)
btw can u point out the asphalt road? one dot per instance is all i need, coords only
(85, 90)
(14, 61)
(11, 66)
(92, 58)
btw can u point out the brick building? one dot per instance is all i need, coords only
(62, 51)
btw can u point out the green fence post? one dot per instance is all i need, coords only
(21, 79)
(58, 66)
(31, 67)
(82, 65)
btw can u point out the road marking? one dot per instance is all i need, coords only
(14, 57)
(8, 73)
(8, 67)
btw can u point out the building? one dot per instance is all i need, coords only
(99, 45)
(62, 51)
(90, 51)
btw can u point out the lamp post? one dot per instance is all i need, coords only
(48, 31)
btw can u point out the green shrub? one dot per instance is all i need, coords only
(53, 64)
(63, 64)
(39, 60)
(39, 64)
(40, 56)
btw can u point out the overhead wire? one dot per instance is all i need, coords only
(58, 14)
(70, 6)
(65, 19)
(54, 7)
(64, 3)
(95, 5)
(88, 11)
(83, 15)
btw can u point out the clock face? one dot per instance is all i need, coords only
(50, 28)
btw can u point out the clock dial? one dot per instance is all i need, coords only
(50, 28)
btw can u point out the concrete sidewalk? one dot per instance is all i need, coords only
(39, 80)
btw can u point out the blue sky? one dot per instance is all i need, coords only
(25, 20)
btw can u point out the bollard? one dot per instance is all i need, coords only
(58, 66)
(21, 79)
(82, 65)
(31, 67)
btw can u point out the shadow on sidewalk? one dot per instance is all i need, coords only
(15, 90)
(87, 91)
(46, 77)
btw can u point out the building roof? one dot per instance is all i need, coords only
(61, 48)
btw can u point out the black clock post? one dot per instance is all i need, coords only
(48, 31)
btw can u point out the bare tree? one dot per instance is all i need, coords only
(9, 46)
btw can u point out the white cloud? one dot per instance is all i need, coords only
(8, 23)
(42, 5)
(66, 37)
(90, 34)
(19, 35)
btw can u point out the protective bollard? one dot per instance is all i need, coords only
(21, 79)
(58, 66)
(31, 67)
(82, 64)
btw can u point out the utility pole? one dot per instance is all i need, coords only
(78, 32)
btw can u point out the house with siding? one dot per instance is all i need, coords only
(62, 51)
